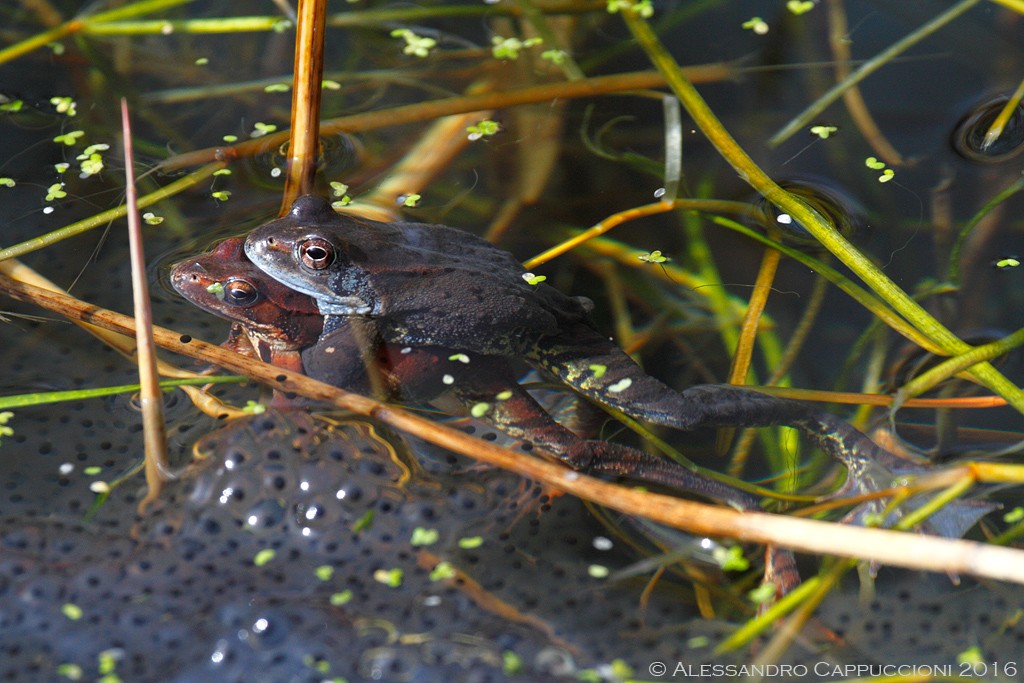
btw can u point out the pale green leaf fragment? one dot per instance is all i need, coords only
(71, 611)
(70, 138)
(364, 522)
(72, 672)
(823, 132)
(479, 409)
(339, 599)
(106, 661)
(756, 24)
(392, 578)
(1014, 515)
(799, 7)
(443, 570)
(511, 663)
(556, 57)
(264, 556)
(421, 536)
(324, 572)
(254, 408)
(260, 129)
(64, 105)
(532, 279)
(92, 165)
(470, 542)
(763, 594)
(7, 182)
(730, 559)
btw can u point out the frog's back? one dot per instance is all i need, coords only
(442, 286)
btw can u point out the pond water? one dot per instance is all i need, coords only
(179, 594)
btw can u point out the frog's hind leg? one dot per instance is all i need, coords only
(493, 395)
(594, 366)
(517, 414)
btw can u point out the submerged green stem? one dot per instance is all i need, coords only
(109, 215)
(44, 397)
(953, 272)
(816, 224)
(868, 68)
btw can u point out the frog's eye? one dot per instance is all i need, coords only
(240, 293)
(316, 253)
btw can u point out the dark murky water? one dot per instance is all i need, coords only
(178, 595)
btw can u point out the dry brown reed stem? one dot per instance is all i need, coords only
(427, 111)
(838, 37)
(915, 551)
(304, 140)
(151, 398)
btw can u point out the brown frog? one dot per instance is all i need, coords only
(275, 323)
(421, 285)
(285, 324)
(271, 322)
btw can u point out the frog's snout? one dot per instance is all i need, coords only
(186, 271)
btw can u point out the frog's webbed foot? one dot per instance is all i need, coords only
(953, 520)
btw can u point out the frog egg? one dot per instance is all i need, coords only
(968, 138)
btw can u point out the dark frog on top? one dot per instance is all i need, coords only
(415, 285)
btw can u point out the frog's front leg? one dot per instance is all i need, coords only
(346, 356)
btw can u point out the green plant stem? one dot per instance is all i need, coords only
(953, 271)
(952, 366)
(105, 217)
(44, 397)
(81, 23)
(855, 292)
(756, 626)
(939, 501)
(808, 217)
(868, 68)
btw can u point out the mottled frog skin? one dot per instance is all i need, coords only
(277, 324)
(276, 321)
(415, 284)
(288, 324)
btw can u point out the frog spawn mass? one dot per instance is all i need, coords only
(281, 543)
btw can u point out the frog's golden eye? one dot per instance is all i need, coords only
(316, 253)
(238, 292)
